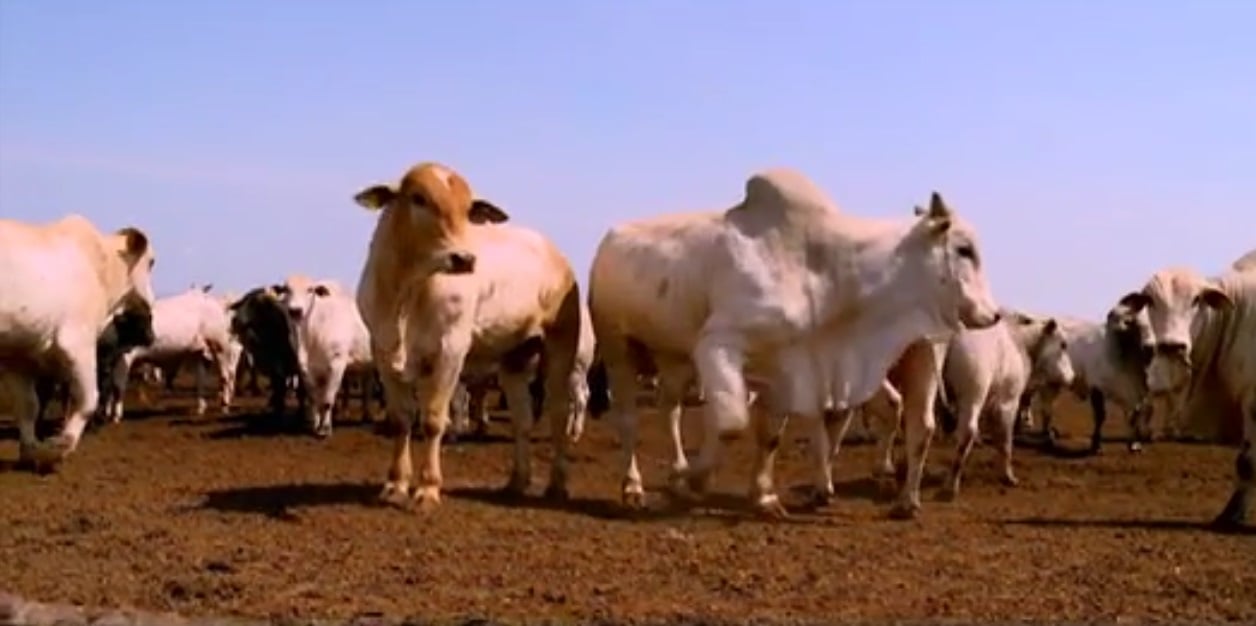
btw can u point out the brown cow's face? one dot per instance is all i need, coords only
(437, 207)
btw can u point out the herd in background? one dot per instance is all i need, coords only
(782, 306)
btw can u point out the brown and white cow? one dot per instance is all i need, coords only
(448, 286)
(1204, 359)
(784, 286)
(47, 330)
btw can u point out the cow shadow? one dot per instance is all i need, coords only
(250, 425)
(280, 501)
(1192, 526)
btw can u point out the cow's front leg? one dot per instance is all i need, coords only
(437, 378)
(720, 361)
(83, 399)
(19, 399)
(1235, 513)
(201, 403)
(769, 425)
(400, 408)
(674, 378)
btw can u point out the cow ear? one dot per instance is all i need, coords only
(1051, 328)
(1135, 301)
(375, 197)
(1214, 298)
(485, 212)
(207, 287)
(134, 243)
(917, 210)
(938, 215)
(321, 291)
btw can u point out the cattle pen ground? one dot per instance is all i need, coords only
(237, 516)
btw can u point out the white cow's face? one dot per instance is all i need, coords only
(137, 253)
(299, 301)
(1051, 363)
(1173, 299)
(955, 265)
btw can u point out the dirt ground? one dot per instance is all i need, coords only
(234, 516)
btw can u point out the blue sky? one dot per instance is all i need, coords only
(1090, 142)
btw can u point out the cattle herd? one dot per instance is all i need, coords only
(782, 306)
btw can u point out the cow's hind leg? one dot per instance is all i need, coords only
(674, 377)
(1236, 509)
(967, 428)
(19, 399)
(918, 392)
(1099, 407)
(515, 387)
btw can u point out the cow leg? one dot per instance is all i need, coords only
(1236, 508)
(1098, 406)
(720, 361)
(19, 399)
(674, 378)
(226, 378)
(1140, 425)
(84, 396)
(1045, 404)
(436, 390)
(201, 403)
(1006, 420)
(477, 410)
(400, 407)
(119, 377)
(324, 396)
(459, 412)
(967, 429)
(919, 395)
(837, 424)
(278, 393)
(767, 430)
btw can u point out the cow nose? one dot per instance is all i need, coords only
(1171, 349)
(295, 313)
(998, 317)
(461, 262)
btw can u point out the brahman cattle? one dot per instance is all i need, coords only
(783, 285)
(192, 325)
(1204, 361)
(448, 286)
(269, 337)
(985, 373)
(1110, 364)
(332, 341)
(59, 283)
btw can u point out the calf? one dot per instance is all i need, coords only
(332, 340)
(448, 287)
(1204, 360)
(45, 329)
(269, 337)
(190, 325)
(987, 370)
(1109, 362)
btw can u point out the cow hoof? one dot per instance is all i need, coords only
(1136, 446)
(697, 482)
(201, 407)
(1009, 480)
(769, 506)
(557, 493)
(395, 494)
(515, 488)
(902, 511)
(947, 494)
(819, 499)
(426, 499)
(322, 432)
(633, 500)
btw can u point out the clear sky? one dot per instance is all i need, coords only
(1090, 142)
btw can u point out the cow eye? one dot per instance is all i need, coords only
(966, 252)
(418, 200)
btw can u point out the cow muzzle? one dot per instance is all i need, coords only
(296, 314)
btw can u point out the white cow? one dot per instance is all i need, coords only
(189, 325)
(784, 286)
(332, 340)
(985, 373)
(59, 284)
(448, 286)
(1110, 364)
(1205, 359)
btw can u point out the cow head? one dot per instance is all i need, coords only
(434, 205)
(133, 247)
(954, 261)
(1174, 299)
(1049, 361)
(1129, 334)
(263, 326)
(133, 323)
(299, 300)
